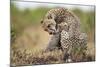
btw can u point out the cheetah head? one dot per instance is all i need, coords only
(49, 25)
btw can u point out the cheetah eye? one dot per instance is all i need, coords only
(48, 26)
(49, 17)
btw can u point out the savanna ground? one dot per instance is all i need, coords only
(29, 40)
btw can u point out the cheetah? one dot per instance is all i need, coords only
(64, 25)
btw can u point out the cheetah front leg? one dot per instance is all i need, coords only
(66, 46)
(53, 43)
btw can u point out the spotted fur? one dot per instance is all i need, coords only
(63, 22)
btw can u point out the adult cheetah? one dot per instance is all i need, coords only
(65, 28)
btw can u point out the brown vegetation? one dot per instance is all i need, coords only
(29, 50)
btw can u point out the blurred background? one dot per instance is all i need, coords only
(26, 30)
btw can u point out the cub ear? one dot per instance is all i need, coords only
(41, 21)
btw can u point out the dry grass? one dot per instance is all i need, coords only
(25, 58)
(29, 47)
(28, 57)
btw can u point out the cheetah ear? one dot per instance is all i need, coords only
(41, 21)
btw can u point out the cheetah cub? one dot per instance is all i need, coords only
(65, 28)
